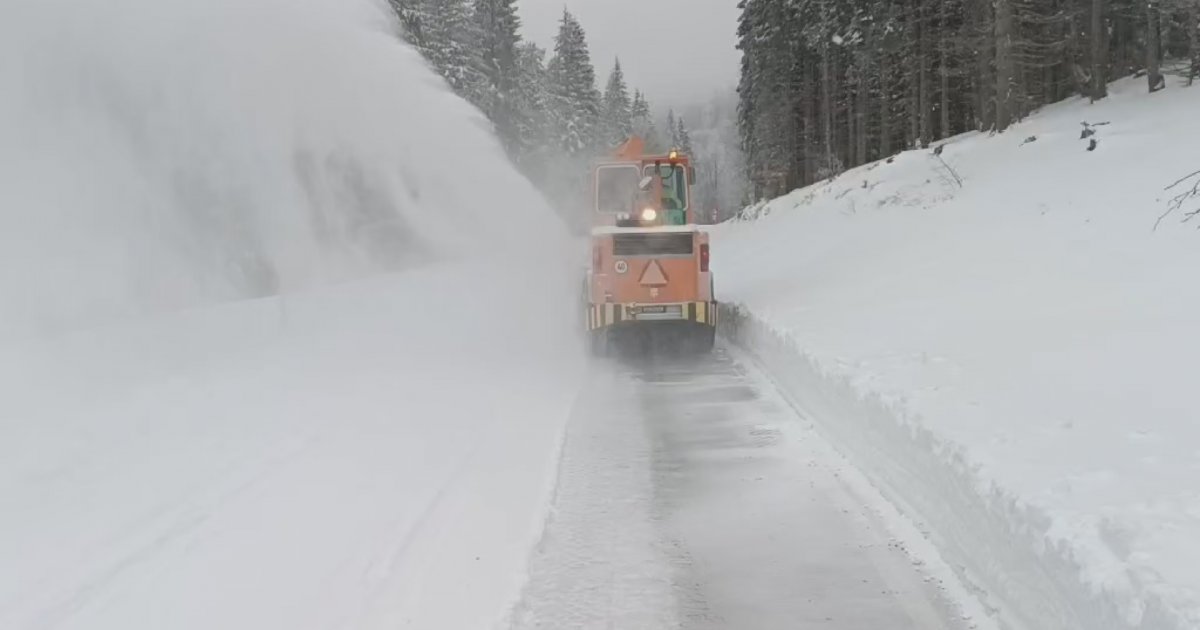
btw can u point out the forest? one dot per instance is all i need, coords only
(548, 108)
(827, 85)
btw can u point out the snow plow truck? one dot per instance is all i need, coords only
(648, 283)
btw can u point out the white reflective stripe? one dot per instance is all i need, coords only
(669, 312)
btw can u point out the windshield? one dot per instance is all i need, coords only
(674, 185)
(617, 188)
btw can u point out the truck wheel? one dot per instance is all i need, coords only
(598, 343)
(709, 339)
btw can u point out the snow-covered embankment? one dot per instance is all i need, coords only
(1008, 359)
(179, 449)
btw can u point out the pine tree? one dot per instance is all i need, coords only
(575, 101)
(616, 114)
(777, 90)
(530, 108)
(643, 122)
(409, 14)
(720, 182)
(445, 34)
(672, 129)
(497, 24)
(683, 140)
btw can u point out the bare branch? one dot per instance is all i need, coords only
(1177, 201)
(950, 169)
(1181, 180)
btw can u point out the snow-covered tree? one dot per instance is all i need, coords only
(672, 129)
(616, 116)
(446, 35)
(683, 140)
(575, 101)
(643, 122)
(530, 107)
(497, 24)
(711, 140)
(409, 14)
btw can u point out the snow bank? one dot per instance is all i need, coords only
(1007, 359)
(270, 355)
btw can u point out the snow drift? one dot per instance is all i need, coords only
(1009, 358)
(269, 352)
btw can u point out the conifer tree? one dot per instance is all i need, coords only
(409, 14)
(616, 114)
(497, 24)
(683, 140)
(643, 122)
(445, 34)
(575, 101)
(530, 107)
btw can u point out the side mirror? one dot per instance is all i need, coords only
(691, 174)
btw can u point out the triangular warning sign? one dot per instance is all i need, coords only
(653, 275)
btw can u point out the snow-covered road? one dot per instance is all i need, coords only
(262, 466)
(690, 495)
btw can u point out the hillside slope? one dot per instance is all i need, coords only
(1007, 357)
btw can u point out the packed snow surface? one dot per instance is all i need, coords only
(691, 496)
(1009, 357)
(269, 353)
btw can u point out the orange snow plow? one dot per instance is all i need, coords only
(649, 272)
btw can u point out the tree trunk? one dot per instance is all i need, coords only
(827, 105)
(925, 88)
(810, 121)
(913, 96)
(1005, 64)
(1099, 52)
(1154, 76)
(986, 78)
(1075, 56)
(862, 101)
(840, 148)
(885, 106)
(1194, 39)
(944, 64)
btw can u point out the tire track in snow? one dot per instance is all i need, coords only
(46, 605)
(687, 499)
(407, 530)
(601, 562)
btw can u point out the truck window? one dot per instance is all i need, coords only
(617, 188)
(674, 185)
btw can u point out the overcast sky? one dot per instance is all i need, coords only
(676, 51)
